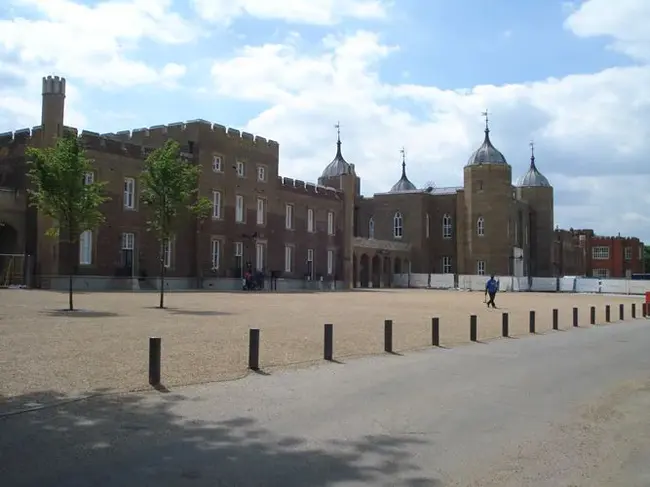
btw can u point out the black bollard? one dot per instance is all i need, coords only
(435, 332)
(505, 325)
(473, 332)
(531, 322)
(592, 312)
(607, 314)
(621, 312)
(555, 319)
(328, 343)
(254, 349)
(155, 346)
(575, 316)
(388, 336)
(633, 310)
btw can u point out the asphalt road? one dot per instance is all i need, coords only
(561, 410)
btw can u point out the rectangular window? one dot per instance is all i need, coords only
(446, 265)
(426, 223)
(239, 208)
(241, 169)
(239, 258)
(330, 223)
(217, 163)
(86, 248)
(261, 174)
(310, 263)
(167, 245)
(216, 204)
(215, 253)
(480, 267)
(260, 254)
(239, 249)
(600, 253)
(628, 253)
(128, 241)
(261, 213)
(310, 220)
(288, 258)
(330, 262)
(601, 273)
(288, 217)
(89, 177)
(129, 193)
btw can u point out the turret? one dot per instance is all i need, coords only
(53, 108)
(403, 185)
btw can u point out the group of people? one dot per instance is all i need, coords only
(253, 280)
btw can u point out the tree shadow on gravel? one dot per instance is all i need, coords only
(169, 440)
(79, 313)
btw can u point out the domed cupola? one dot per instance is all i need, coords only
(339, 165)
(403, 185)
(533, 178)
(487, 153)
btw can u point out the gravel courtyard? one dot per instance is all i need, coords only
(205, 335)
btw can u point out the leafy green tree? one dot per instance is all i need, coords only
(169, 187)
(61, 191)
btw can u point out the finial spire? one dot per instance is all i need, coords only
(338, 131)
(487, 120)
(403, 152)
(532, 154)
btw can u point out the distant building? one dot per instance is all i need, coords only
(299, 231)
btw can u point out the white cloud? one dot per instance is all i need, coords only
(591, 131)
(319, 12)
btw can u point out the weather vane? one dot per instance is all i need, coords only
(487, 118)
(338, 129)
(403, 152)
(532, 148)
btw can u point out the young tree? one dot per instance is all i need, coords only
(169, 186)
(61, 191)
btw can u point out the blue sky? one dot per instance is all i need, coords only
(572, 76)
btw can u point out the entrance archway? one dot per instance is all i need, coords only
(11, 266)
(397, 266)
(386, 274)
(376, 271)
(364, 277)
(355, 269)
(8, 239)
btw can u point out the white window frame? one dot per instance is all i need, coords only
(215, 253)
(330, 223)
(480, 227)
(261, 211)
(89, 177)
(330, 262)
(241, 169)
(600, 273)
(288, 216)
(310, 220)
(628, 253)
(240, 213)
(167, 249)
(371, 228)
(217, 163)
(447, 265)
(128, 241)
(260, 255)
(129, 193)
(288, 258)
(86, 248)
(480, 267)
(261, 173)
(600, 252)
(398, 225)
(216, 204)
(447, 226)
(239, 249)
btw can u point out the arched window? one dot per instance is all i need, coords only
(398, 228)
(446, 226)
(480, 226)
(371, 228)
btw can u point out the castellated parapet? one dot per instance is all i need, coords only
(297, 186)
(53, 85)
(196, 130)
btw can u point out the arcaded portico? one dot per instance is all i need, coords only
(376, 261)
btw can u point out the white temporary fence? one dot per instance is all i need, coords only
(518, 284)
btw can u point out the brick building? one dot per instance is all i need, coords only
(299, 231)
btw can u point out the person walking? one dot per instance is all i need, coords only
(491, 288)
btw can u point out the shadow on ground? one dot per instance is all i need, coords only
(79, 313)
(136, 440)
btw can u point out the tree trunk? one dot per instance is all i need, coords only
(162, 280)
(70, 303)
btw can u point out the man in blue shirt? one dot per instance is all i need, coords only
(491, 288)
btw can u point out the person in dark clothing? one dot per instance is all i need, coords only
(491, 288)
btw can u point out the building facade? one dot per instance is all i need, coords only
(306, 234)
